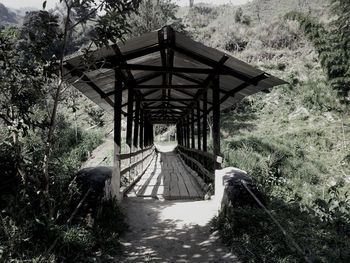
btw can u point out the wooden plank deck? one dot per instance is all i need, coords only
(167, 178)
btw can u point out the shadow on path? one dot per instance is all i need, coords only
(171, 231)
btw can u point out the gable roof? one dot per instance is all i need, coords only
(169, 71)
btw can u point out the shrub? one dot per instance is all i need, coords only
(278, 34)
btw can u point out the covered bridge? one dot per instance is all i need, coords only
(164, 77)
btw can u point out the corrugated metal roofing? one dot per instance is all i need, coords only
(164, 58)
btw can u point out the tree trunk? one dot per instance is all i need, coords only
(48, 146)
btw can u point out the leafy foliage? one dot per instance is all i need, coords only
(332, 46)
(46, 149)
(153, 15)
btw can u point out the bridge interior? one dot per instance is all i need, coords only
(164, 77)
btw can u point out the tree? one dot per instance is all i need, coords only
(153, 15)
(20, 94)
(32, 77)
(111, 26)
(191, 3)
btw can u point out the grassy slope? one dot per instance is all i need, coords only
(294, 140)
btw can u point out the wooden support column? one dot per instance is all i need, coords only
(137, 123)
(146, 133)
(136, 134)
(130, 123)
(192, 130)
(141, 135)
(188, 131)
(141, 128)
(179, 136)
(184, 132)
(205, 122)
(152, 134)
(114, 188)
(199, 125)
(216, 121)
(130, 116)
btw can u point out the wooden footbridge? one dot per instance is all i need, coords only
(164, 77)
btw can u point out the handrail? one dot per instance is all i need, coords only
(131, 166)
(205, 154)
(132, 184)
(129, 155)
(207, 173)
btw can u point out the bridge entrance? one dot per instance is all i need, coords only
(164, 77)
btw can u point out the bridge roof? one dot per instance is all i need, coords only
(169, 73)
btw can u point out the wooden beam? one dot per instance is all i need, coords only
(170, 57)
(130, 116)
(212, 63)
(216, 121)
(205, 122)
(167, 100)
(192, 130)
(162, 41)
(199, 125)
(188, 131)
(137, 53)
(141, 128)
(137, 123)
(129, 80)
(147, 78)
(232, 92)
(168, 69)
(188, 78)
(167, 87)
(208, 80)
(115, 180)
(242, 86)
(164, 108)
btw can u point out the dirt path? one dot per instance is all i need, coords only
(165, 230)
(171, 231)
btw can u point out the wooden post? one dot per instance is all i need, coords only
(192, 130)
(129, 123)
(114, 187)
(151, 133)
(146, 133)
(216, 121)
(136, 133)
(205, 122)
(199, 125)
(181, 135)
(185, 132)
(130, 116)
(137, 124)
(141, 136)
(188, 131)
(141, 128)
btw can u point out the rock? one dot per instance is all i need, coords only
(229, 188)
(94, 177)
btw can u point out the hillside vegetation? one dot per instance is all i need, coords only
(294, 141)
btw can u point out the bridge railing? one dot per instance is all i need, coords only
(134, 165)
(203, 163)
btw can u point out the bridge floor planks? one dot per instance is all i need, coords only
(167, 178)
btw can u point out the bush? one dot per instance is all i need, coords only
(251, 234)
(278, 34)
